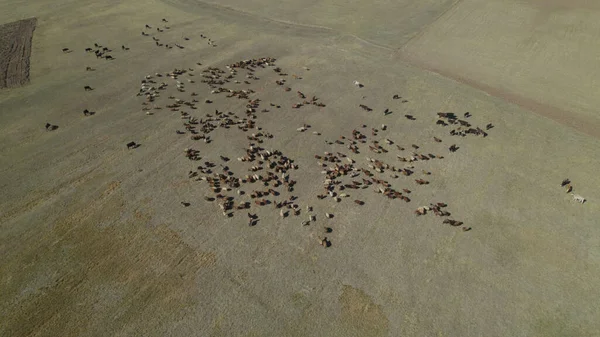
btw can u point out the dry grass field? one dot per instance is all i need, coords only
(101, 240)
(540, 54)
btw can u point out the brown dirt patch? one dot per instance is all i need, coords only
(360, 312)
(15, 50)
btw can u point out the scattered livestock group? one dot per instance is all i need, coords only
(167, 45)
(269, 171)
(270, 167)
(566, 183)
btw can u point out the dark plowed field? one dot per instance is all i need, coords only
(15, 50)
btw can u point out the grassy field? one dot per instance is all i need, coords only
(95, 240)
(533, 53)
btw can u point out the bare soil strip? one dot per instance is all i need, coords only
(15, 50)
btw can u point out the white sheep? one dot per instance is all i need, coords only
(578, 198)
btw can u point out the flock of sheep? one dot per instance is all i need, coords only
(270, 172)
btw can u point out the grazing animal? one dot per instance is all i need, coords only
(87, 50)
(185, 204)
(578, 198)
(565, 182)
(364, 107)
(453, 148)
(89, 69)
(452, 222)
(396, 97)
(66, 50)
(88, 88)
(410, 117)
(324, 242)
(132, 145)
(489, 126)
(50, 127)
